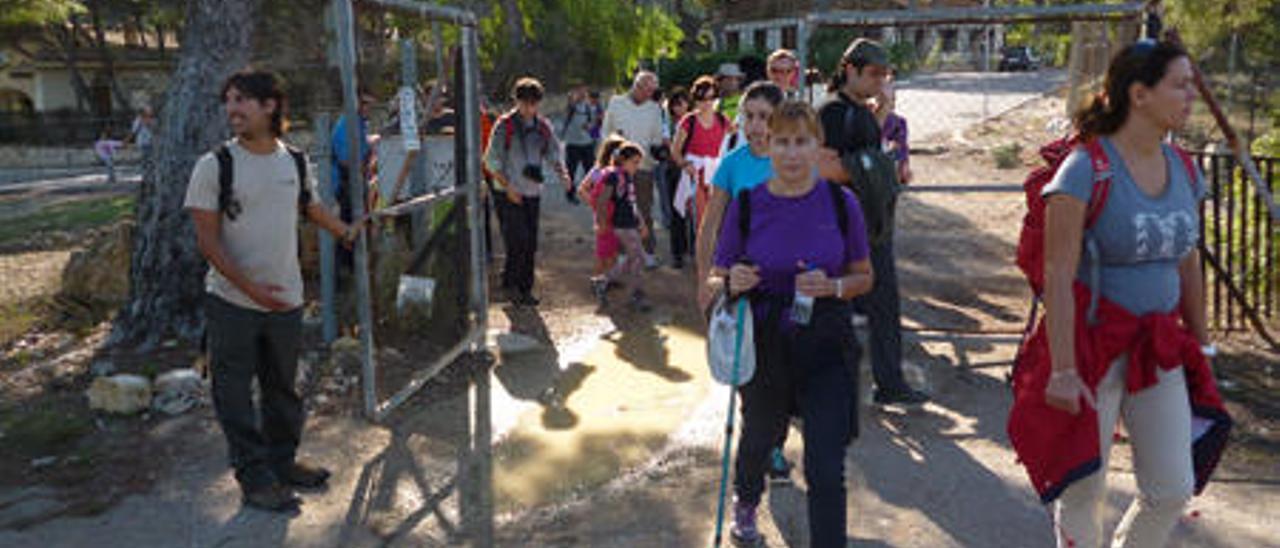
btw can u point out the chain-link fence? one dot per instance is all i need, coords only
(954, 68)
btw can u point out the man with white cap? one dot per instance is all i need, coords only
(729, 79)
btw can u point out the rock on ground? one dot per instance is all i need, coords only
(123, 394)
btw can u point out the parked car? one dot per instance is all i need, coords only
(1015, 58)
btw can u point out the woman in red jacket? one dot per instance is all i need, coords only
(1138, 352)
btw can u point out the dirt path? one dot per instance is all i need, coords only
(610, 434)
(575, 471)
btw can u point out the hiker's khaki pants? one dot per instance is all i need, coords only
(1158, 421)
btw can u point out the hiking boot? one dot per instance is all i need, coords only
(744, 531)
(273, 498)
(304, 475)
(907, 397)
(779, 467)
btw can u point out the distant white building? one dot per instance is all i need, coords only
(765, 25)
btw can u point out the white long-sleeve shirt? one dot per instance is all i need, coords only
(641, 124)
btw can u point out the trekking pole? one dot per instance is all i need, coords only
(728, 426)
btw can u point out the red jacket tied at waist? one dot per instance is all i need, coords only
(1057, 447)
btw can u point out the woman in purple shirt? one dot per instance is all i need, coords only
(796, 246)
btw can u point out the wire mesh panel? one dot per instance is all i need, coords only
(418, 296)
(957, 67)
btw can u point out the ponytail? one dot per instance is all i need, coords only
(838, 79)
(1098, 117)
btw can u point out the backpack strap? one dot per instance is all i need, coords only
(300, 161)
(507, 121)
(688, 123)
(744, 215)
(507, 130)
(1188, 164)
(227, 202)
(544, 129)
(841, 207)
(1101, 164)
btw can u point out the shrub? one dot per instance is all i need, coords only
(1008, 156)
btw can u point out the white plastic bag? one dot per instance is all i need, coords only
(731, 348)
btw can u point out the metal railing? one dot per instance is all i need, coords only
(59, 128)
(1240, 247)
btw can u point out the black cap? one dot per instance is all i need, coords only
(868, 51)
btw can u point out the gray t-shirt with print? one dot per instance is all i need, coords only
(1140, 239)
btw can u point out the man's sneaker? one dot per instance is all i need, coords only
(651, 261)
(525, 299)
(571, 196)
(677, 263)
(779, 467)
(304, 475)
(909, 397)
(744, 531)
(274, 497)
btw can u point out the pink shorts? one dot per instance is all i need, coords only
(607, 245)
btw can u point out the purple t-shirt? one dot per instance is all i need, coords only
(787, 230)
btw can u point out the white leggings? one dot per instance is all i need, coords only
(1158, 421)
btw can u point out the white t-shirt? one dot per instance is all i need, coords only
(641, 124)
(263, 239)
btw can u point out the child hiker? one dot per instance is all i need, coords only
(607, 245)
(616, 204)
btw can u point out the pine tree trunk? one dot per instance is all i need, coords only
(167, 271)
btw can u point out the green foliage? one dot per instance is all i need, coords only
(44, 430)
(905, 58)
(682, 70)
(594, 41)
(1051, 42)
(66, 216)
(826, 45)
(609, 38)
(1268, 145)
(1207, 25)
(1007, 156)
(18, 13)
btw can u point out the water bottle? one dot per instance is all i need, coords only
(802, 306)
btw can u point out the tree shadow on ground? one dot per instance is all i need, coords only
(953, 274)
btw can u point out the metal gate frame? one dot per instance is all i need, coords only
(476, 467)
(941, 16)
(467, 177)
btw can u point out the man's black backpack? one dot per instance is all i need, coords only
(229, 205)
(873, 177)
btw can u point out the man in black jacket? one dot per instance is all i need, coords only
(851, 123)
